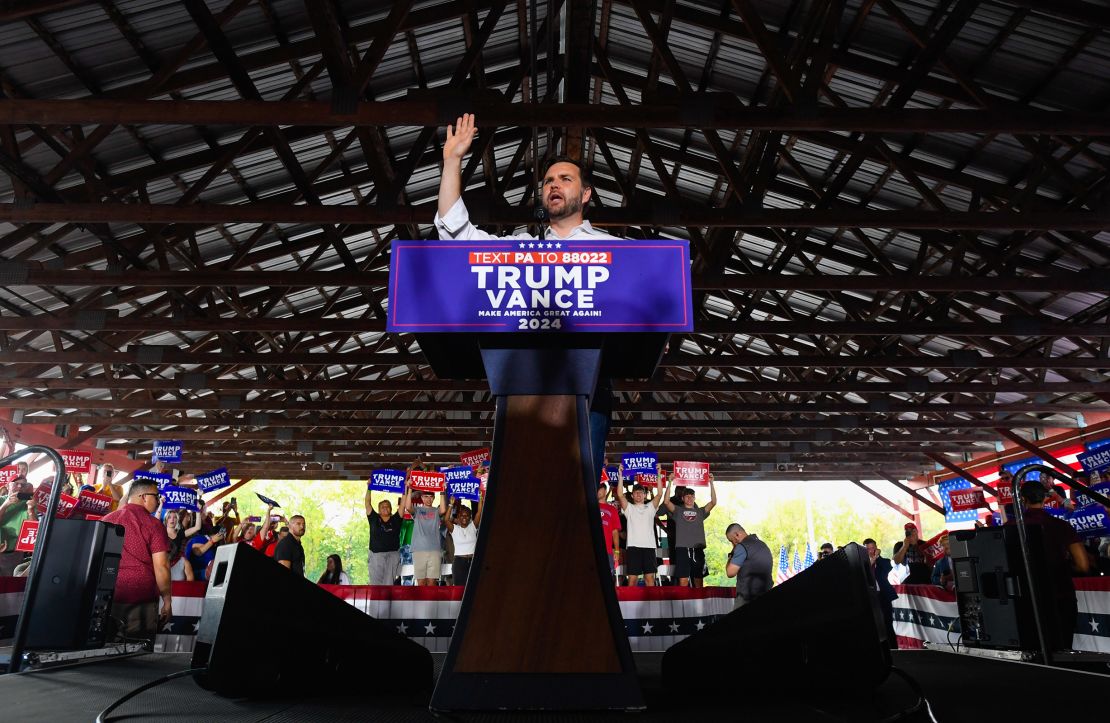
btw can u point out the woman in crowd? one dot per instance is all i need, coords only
(180, 569)
(334, 575)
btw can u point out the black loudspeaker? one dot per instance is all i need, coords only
(993, 593)
(267, 631)
(73, 599)
(818, 625)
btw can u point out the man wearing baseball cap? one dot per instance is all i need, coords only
(911, 552)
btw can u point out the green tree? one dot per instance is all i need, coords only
(783, 522)
(335, 520)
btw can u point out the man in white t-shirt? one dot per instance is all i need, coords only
(639, 555)
(464, 535)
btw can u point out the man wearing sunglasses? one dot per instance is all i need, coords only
(144, 569)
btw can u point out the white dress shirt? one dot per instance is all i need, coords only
(456, 225)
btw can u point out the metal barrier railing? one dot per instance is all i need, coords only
(42, 542)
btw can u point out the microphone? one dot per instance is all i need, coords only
(540, 213)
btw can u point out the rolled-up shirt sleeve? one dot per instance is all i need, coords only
(456, 224)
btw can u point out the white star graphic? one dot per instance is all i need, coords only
(558, 246)
(430, 629)
(167, 627)
(522, 245)
(402, 629)
(196, 627)
(532, 246)
(673, 626)
(647, 628)
(1094, 625)
(934, 619)
(549, 245)
(700, 625)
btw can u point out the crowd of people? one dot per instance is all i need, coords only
(653, 533)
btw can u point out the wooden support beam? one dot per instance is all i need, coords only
(201, 382)
(26, 274)
(139, 355)
(1038, 451)
(913, 493)
(884, 500)
(107, 320)
(31, 434)
(214, 402)
(724, 113)
(661, 214)
(802, 426)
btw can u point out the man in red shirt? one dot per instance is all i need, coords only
(610, 527)
(144, 570)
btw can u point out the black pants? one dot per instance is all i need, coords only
(888, 622)
(1068, 608)
(460, 569)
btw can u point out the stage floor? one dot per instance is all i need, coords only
(959, 688)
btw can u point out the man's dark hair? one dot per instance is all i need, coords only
(296, 517)
(868, 540)
(584, 170)
(1032, 491)
(825, 545)
(141, 486)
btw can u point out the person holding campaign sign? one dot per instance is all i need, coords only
(427, 555)
(566, 192)
(180, 569)
(464, 535)
(108, 486)
(17, 507)
(689, 522)
(384, 559)
(640, 515)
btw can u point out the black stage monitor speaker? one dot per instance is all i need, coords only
(73, 600)
(993, 594)
(820, 624)
(266, 631)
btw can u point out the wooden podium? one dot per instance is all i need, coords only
(539, 627)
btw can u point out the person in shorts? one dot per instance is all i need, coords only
(427, 551)
(639, 554)
(689, 521)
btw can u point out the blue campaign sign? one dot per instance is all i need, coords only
(551, 286)
(214, 480)
(1097, 444)
(179, 498)
(1095, 460)
(168, 450)
(1082, 500)
(1090, 521)
(387, 480)
(614, 473)
(458, 472)
(643, 462)
(467, 488)
(160, 479)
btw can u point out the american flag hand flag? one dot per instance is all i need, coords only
(784, 571)
(809, 557)
(797, 562)
(950, 486)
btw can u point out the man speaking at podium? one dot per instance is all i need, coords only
(566, 192)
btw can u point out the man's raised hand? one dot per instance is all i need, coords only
(459, 138)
